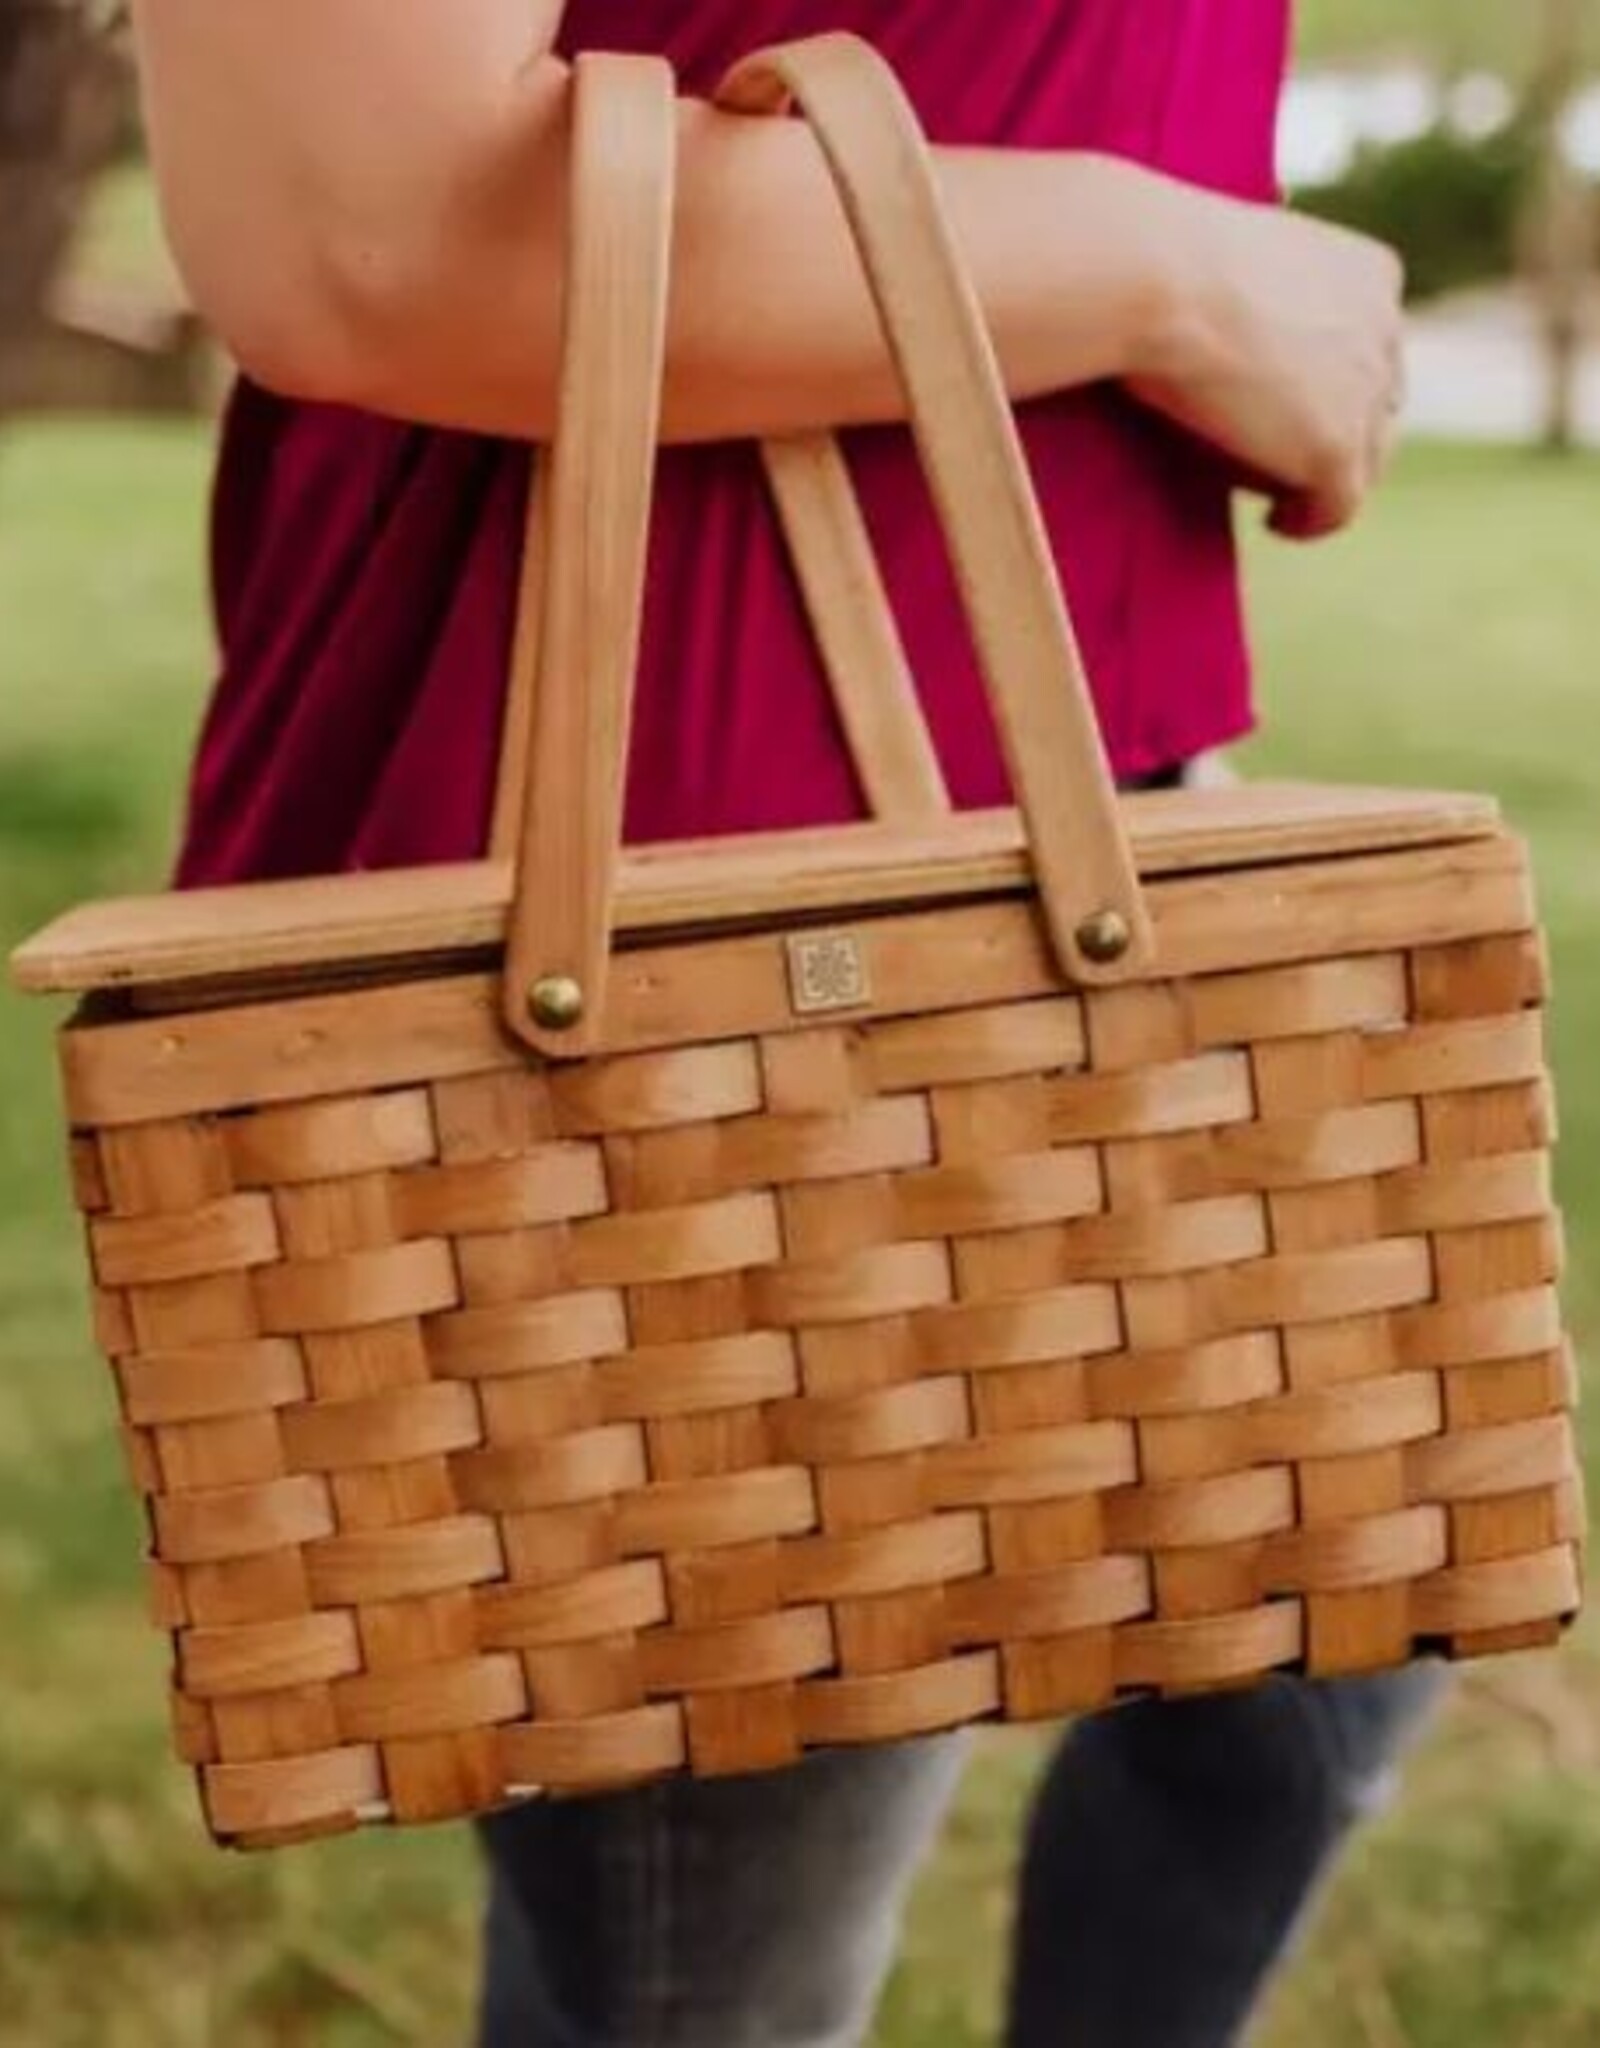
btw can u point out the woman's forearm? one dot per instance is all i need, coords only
(771, 327)
(399, 244)
(368, 199)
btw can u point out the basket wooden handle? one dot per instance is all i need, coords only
(857, 637)
(582, 599)
(977, 472)
(578, 630)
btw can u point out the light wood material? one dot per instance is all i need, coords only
(582, 590)
(857, 636)
(978, 474)
(1088, 1376)
(599, 493)
(516, 735)
(994, 1345)
(274, 1044)
(340, 922)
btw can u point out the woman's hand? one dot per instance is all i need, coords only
(1283, 346)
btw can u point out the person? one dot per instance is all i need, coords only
(367, 198)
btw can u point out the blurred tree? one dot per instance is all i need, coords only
(1452, 204)
(1545, 49)
(1561, 229)
(1454, 36)
(64, 97)
(66, 113)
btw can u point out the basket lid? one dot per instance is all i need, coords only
(262, 929)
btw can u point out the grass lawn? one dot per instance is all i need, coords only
(1453, 641)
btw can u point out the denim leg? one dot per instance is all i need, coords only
(739, 1913)
(1175, 1847)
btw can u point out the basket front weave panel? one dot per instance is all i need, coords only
(517, 1427)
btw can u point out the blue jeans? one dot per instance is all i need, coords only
(1171, 1854)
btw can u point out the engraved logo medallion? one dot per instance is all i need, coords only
(827, 971)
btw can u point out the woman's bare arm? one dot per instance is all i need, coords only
(367, 198)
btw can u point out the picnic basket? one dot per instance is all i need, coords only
(589, 1314)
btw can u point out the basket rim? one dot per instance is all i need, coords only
(263, 928)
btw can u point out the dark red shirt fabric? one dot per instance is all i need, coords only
(364, 568)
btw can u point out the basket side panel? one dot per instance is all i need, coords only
(990, 1350)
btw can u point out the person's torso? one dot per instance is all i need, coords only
(365, 568)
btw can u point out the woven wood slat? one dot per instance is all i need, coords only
(404, 1562)
(265, 1656)
(610, 1749)
(285, 1793)
(212, 1380)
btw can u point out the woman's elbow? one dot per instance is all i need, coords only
(303, 320)
(292, 351)
(391, 328)
(358, 269)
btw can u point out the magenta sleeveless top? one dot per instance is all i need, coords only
(364, 569)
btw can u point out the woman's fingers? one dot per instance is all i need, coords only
(1337, 501)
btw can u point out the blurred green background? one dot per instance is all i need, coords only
(1455, 639)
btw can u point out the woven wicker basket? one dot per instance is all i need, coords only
(582, 1317)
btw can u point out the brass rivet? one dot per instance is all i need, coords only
(1104, 937)
(556, 1002)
